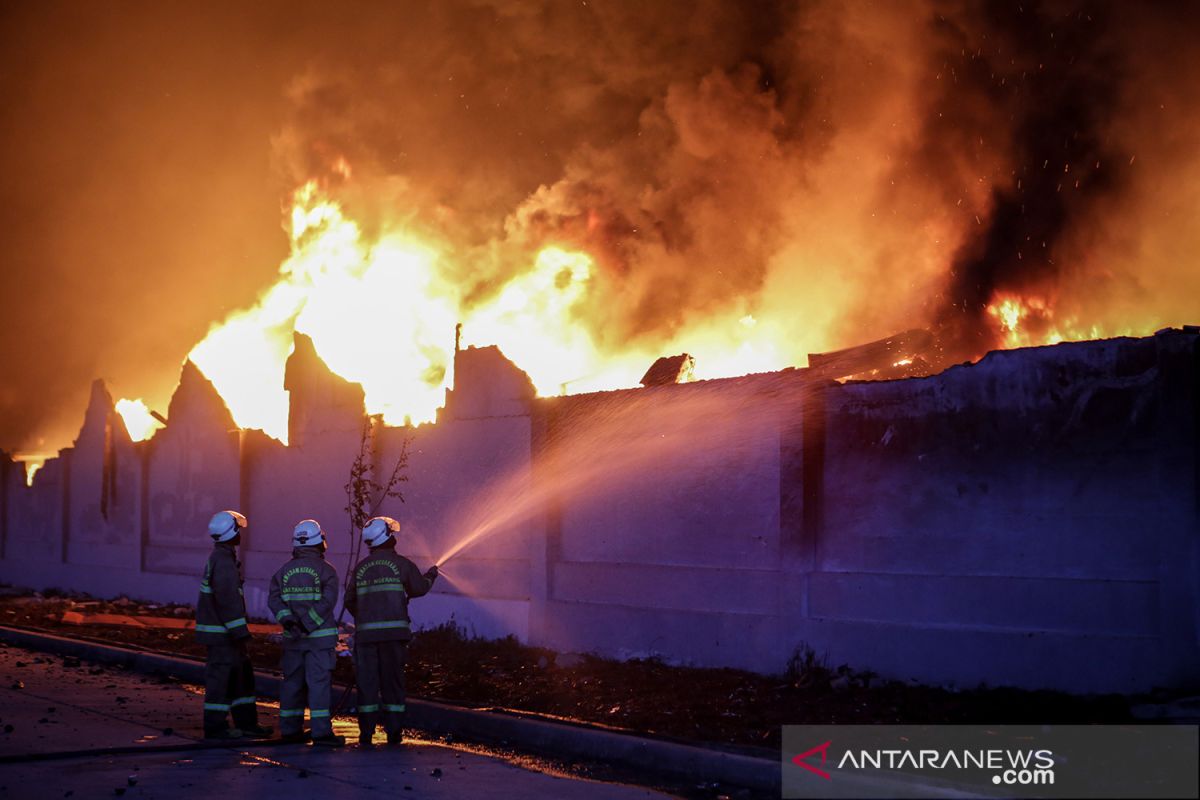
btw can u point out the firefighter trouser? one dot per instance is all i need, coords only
(228, 688)
(379, 668)
(307, 680)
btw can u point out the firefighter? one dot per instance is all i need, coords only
(383, 583)
(221, 625)
(303, 594)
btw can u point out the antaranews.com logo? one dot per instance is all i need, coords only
(1004, 761)
(1020, 767)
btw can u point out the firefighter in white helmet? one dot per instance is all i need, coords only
(221, 625)
(383, 583)
(303, 594)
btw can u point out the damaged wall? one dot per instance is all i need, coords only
(1028, 520)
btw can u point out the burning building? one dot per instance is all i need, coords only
(1029, 519)
(586, 189)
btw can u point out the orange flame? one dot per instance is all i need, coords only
(382, 313)
(1033, 321)
(138, 421)
(32, 463)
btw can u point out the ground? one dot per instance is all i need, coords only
(55, 714)
(718, 706)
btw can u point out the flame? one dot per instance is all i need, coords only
(138, 421)
(32, 463)
(378, 314)
(382, 313)
(382, 310)
(1033, 321)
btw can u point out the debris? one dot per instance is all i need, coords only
(132, 779)
(881, 354)
(436, 772)
(303, 773)
(18, 685)
(168, 731)
(670, 369)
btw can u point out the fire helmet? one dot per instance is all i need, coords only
(378, 529)
(308, 533)
(225, 525)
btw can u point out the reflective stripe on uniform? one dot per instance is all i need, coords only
(389, 623)
(323, 632)
(205, 589)
(216, 706)
(319, 713)
(291, 712)
(242, 701)
(383, 587)
(283, 612)
(235, 623)
(290, 596)
(393, 707)
(367, 709)
(316, 618)
(210, 628)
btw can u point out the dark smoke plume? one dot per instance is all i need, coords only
(1052, 79)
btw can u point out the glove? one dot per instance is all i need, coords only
(431, 573)
(291, 627)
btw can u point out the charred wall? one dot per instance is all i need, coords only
(1033, 515)
(1032, 519)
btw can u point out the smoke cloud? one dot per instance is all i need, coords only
(838, 171)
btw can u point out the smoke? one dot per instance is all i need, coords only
(1041, 86)
(836, 171)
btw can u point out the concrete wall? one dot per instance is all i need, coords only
(1033, 519)
(1035, 513)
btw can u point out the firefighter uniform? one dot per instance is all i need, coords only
(384, 581)
(221, 625)
(302, 597)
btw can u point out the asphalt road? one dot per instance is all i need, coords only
(55, 715)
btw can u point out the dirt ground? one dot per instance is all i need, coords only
(724, 706)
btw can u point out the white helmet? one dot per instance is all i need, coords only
(225, 525)
(308, 533)
(378, 529)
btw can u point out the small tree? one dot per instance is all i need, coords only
(365, 494)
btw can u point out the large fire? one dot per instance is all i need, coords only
(382, 312)
(897, 187)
